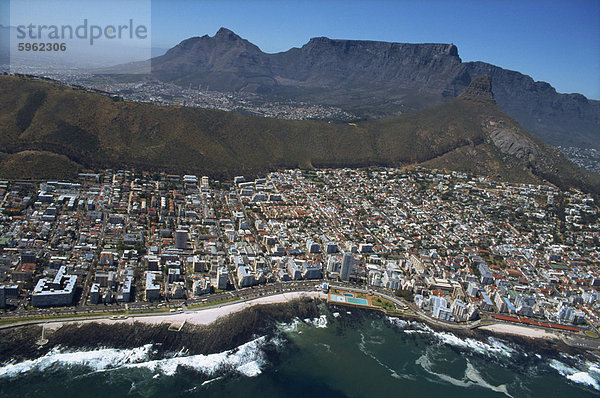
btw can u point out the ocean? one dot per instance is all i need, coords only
(339, 354)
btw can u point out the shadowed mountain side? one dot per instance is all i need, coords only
(97, 131)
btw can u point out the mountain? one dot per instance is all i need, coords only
(376, 79)
(469, 133)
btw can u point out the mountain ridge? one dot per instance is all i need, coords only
(376, 79)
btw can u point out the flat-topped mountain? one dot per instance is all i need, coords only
(79, 129)
(376, 79)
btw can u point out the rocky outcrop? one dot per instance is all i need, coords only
(225, 333)
(508, 139)
(512, 143)
(479, 90)
(559, 119)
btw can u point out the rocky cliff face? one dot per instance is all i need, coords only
(559, 119)
(479, 90)
(323, 61)
(223, 62)
(376, 79)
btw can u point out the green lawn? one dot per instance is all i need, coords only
(8, 321)
(383, 303)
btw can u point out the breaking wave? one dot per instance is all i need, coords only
(471, 377)
(493, 346)
(590, 376)
(247, 359)
(320, 322)
(96, 360)
(297, 323)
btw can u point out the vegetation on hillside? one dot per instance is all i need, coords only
(96, 131)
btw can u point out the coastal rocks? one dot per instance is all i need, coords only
(224, 334)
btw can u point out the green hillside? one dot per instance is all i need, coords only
(96, 131)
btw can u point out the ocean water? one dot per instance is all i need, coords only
(339, 354)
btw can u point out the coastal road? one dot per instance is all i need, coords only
(261, 294)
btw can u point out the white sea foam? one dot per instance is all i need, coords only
(492, 348)
(590, 376)
(562, 368)
(212, 380)
(251, 369)
(247, 360)
(471, 378)
(415, 331)
(410, 326)
(296, 324)
(291, 327)
(584, 378)
(96, 360)
(320, 322)
(397, 321)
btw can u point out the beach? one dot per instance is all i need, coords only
(517, 330)
(200, 316)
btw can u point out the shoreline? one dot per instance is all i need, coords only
(232, 326)
(184, 326)
(518, 330)
(197, 316)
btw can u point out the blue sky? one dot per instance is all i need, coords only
(557, 41)
(553, 41)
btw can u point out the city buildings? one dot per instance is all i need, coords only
(346, 267)
(56, 292)
(144, 238)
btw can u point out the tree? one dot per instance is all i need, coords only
(406, 294)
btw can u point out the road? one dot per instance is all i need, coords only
(241, 295)
(141, 308)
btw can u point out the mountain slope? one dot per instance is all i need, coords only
(376, 79)
(97, 131)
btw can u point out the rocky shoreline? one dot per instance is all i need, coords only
(226, 333)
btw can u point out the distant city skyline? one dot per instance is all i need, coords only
(553, 41)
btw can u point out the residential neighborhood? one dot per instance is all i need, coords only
(452, 246)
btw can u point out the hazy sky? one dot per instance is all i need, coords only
(553, 41)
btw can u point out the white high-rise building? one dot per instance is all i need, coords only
(333, 264)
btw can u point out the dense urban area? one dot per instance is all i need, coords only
(457, 247)
(587, 158)
(169, 94)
